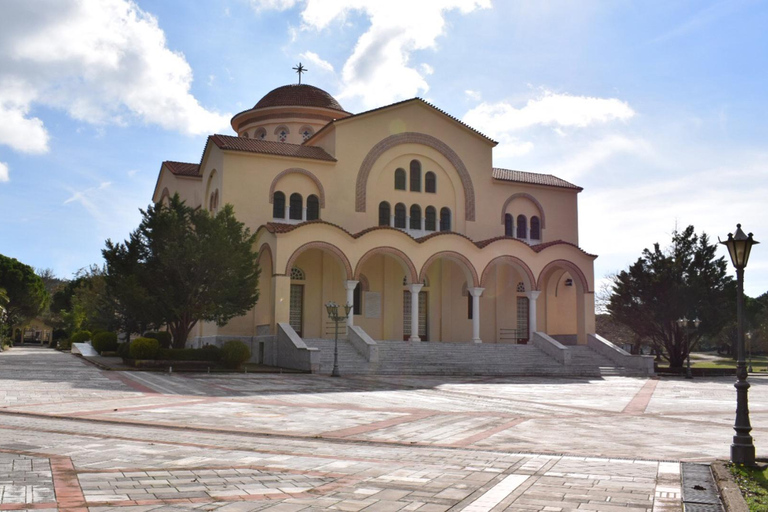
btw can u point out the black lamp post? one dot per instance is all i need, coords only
(684, 323)
(749, 340)
(742, 449)
(333, 314)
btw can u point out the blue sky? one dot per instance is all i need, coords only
(657, 108)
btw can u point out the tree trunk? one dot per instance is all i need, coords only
(180, 330)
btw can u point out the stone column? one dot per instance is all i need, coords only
(287, 212)
(415, 289)
(350, 287)
(476, 293)
(392, 220)
(304, 214)
(532, 296)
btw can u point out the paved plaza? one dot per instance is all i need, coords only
(77, 438)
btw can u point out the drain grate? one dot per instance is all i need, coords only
(699, 489)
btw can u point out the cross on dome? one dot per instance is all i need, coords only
(300, 69)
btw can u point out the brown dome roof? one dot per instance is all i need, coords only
(299, 95)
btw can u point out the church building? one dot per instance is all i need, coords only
(398, 211)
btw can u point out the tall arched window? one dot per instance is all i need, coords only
(445, 219)
(415, 216)
(384, 213)
(313, 207)
(400, 215)
(296, 205)
(430, 219)
(415, 176)
(508, 231)
(522, 227)
(535, 228)
(400, 179)
(430, 182)
(278, 205)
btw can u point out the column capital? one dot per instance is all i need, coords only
(533, 294)
(475, 292)
(416, 287)
(350, 285)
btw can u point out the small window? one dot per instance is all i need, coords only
(430, 219)
(282, 133)
(415, 176)
(508, 228)
(522, 227)
(445, 219)
(521, 287)
(400, 215)
(430, 182)
(244, 134)
(415, 216)
(278, 205)
(297, 274)
(384, 213)
(306, 133)
(400, 179)
(296, 207)
(313, 207)
(535, 228)
(260, 134)
(357, 300)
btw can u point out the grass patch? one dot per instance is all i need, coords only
(753, 483)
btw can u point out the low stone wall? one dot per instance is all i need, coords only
(364, 344)
(551, 347)
(288, 350)
(619, 356)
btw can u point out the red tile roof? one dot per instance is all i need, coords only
(299, 95)
(270, 147)
(183, 168)
(533, 178)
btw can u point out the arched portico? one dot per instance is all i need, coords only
(566, 311)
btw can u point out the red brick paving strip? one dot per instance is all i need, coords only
(69, 495)
(488, 433)
(378, 425)
(640, 402)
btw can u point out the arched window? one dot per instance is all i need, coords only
(415, 176)
(400, 179)
(430, 182)
(535, 228)
(522, 227)
(306, 132)
(508, 228)
(400, 215)
(244, 134)
(357, 299)
(260, 134)
(297, 274)
(384, 213)
(415, 216)
(313, 207)
(430, 219)
(278, 205)
(296, 205)
(282, 133)
(445, 219)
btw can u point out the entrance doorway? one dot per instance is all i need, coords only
(423, 316)
(522, 320)
(297, 307)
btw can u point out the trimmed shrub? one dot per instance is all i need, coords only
(144, 348)
(105, 341)
(80, 337)
(163, 337)
(64, 345)
(124, 350)
(234, 353)
(213, 353)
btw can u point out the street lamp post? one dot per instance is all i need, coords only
(333, 314)
(742, 448)
(684, 324)
(749, 343)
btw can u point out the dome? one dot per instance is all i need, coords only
(299, 95)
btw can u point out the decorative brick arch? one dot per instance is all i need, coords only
(572, 269)
(323, 246)
(457, 258)
(267, 249)
(514, 261)
(523, 195)
(425, 140)
(298, 170)
(397, 253)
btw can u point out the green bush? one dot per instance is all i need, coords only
(80, 337)
(105, 341)
(234, 353)
(163, 337)
(144, 348)
(213, 353)
(64, 345)
(124, 350)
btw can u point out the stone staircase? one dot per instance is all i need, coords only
(435, 358)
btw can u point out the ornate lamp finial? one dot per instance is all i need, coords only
(300, 69)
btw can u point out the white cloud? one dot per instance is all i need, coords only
(548, 109)
(473, 95)
(379, 70)
(101, 61)
(4, 174)
(317, 61)
(597, 153)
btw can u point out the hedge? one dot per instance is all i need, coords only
(234, 353)
(144, 348)
(104, 341)
(163, 337)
